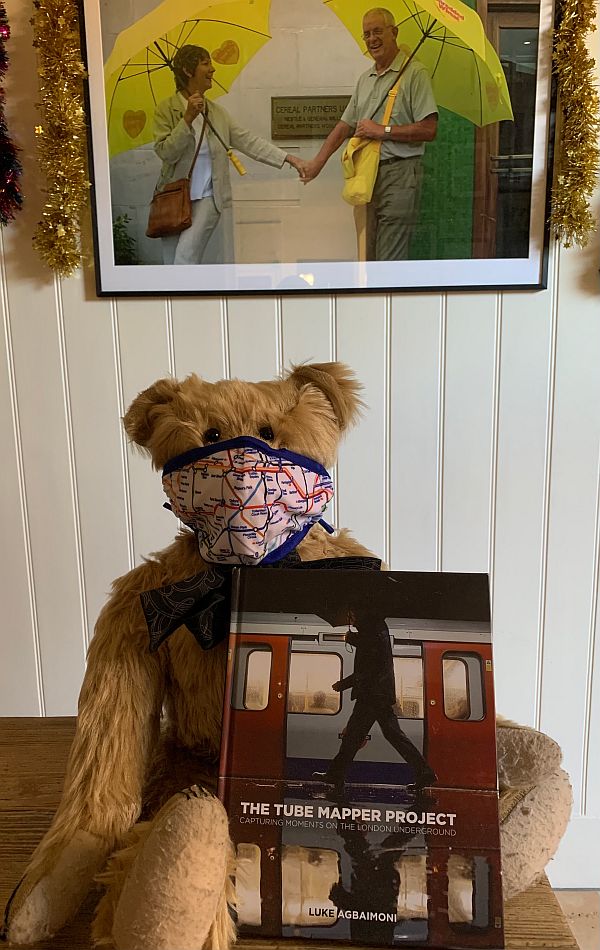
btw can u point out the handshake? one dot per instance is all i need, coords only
(306, 170)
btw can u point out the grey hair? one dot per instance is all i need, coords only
(387, 15)
(184, 63)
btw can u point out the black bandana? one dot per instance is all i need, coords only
(202, 603)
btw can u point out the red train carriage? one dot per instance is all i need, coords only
(280, 675)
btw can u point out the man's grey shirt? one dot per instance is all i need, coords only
(414, 101)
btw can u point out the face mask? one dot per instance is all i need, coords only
(248, 502)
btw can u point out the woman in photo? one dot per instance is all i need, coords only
(178, 124)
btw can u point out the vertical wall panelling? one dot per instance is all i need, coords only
(545, 494)
(21, 695)
(570, 588)
(494, 447)
(576, 861)
(253, 347)
(279, 335)
(94, 410)
(590, 779)
(361, 342)
(198, 338)
(170, 339)
(145, 356)
(225, 339)
(124, 444)
(306, 330)
(48, 480)
(73, 482)
(591, 789)
(525, 361)
(415, 382)
(468, 429)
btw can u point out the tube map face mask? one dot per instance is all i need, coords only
(247, 501)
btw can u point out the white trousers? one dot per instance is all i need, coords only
(209, 240)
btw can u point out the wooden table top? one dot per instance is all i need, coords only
(33, 756)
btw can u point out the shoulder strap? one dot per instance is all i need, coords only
(390, 96)
(198, 146)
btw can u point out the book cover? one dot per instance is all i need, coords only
(358, 761)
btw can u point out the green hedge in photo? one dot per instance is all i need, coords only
(445, 227)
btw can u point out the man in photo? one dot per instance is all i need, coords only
(374, 691)
(394, 207)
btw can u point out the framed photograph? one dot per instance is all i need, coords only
(461, 204)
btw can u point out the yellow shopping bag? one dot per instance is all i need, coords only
(360, 163)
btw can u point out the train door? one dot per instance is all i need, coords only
(316, 713)
(460, 714)
(256, 729)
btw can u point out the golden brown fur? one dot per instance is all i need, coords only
(119, 741)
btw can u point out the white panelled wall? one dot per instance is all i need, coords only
(479, 451)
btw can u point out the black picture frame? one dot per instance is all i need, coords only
(284, 271)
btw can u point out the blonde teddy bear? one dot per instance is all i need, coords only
(149, 723)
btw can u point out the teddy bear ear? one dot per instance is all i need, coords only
(338, 383)
(138, 421)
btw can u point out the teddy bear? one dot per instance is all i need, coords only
(138, 810)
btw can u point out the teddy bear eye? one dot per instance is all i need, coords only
(266, 433)
(211, 435)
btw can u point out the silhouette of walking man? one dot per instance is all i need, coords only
(374, 691)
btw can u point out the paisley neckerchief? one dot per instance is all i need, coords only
(202, 603)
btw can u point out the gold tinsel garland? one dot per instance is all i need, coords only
(578, 149)
(61, 137)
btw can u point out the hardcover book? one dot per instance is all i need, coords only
(358, 761)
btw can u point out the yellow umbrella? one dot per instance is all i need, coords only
(448, 37)
(138, 74)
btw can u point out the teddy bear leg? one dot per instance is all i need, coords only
(532, 823)
(170, 889)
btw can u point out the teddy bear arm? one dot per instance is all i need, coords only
(117, 730)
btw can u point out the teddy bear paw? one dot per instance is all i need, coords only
(532, 823)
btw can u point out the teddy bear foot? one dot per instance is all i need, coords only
(174, 884)
(49, 894)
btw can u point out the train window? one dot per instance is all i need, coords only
(463, 686)
(456, 689)
(460, 889)
(412, 895)
(307, 876)
(247, 885)
(312, 676)
(408, 674)
(258, 675)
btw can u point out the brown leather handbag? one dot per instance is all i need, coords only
(171, 208)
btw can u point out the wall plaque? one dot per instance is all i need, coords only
(305, 117)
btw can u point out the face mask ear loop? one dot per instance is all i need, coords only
(327, 527)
